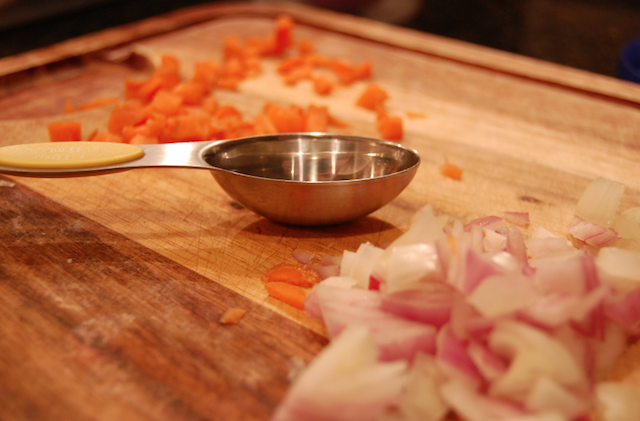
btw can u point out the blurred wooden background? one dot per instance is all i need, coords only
(585, 34)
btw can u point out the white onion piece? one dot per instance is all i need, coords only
(337, 288)
(326, 271)
(547, 395)
(607, 351)
(303, 257)
(470, 268)
(421, 400)
(559, 273)
(490, 222)
(619, 268)
(626, 227)
(503, 294)
(474, 406)
(360, 264)
(489, 364)
(452, 358)
(600, 201)
(618, 401)
(518, 218)
(430, 304)
(625, 310)
(395, 337)
(515, 245)
(492, 241)
(425, 228)
(344, 382)
(410, 264)
(532, 354)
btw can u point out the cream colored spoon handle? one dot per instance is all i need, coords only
(65, 159)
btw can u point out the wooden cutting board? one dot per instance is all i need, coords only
(112, 287)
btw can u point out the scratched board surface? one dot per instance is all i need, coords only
(113, 285)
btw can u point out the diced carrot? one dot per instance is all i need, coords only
(166, 76)
(234, 67)
(298, 74)
(292, 274)
(227, 111)
(92, 135)
(288, 64)
(317, 119)
(372, 97)
(283, 33)
(363, 70)
(390, 128)
(69, 108)
(141, 139)
(232, 316)
(228, 83)
(206, 73)
(166, 103)
(323, 85)
(131, 113)
(63, 131)
(108, 137)
(193, 126)
(287, 293)
(232, 47)
(262, 124)
(98, 103)
(209, 104)
(129, 132)
(319, 61)
(306, 47)
(286, 120)
(192, 93)
(451, 170)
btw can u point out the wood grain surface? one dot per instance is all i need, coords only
(112, 286)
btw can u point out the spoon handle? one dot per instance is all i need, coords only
(65, 159)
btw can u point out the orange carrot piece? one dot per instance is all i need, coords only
(141, 139)
(372, 98)
(289, 64)
(287, 293)
(193, 126)
(306, 47)
(98, 103)
(262, 124)
(323, 85)
(63, 131)
(451, 170)
(228, 83)
(232, 316)
(297, 74)
(69, 108)
(283, 33)
(286, 120)
(131, 113)
(390, 128)
(317, 119)
(292, 274)
(166, 103)
(209, 104)
(206, 73)
(108, 137)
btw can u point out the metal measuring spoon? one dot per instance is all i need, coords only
(293, 178)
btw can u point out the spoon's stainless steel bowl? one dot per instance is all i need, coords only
(312, 179)
(293, 178)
